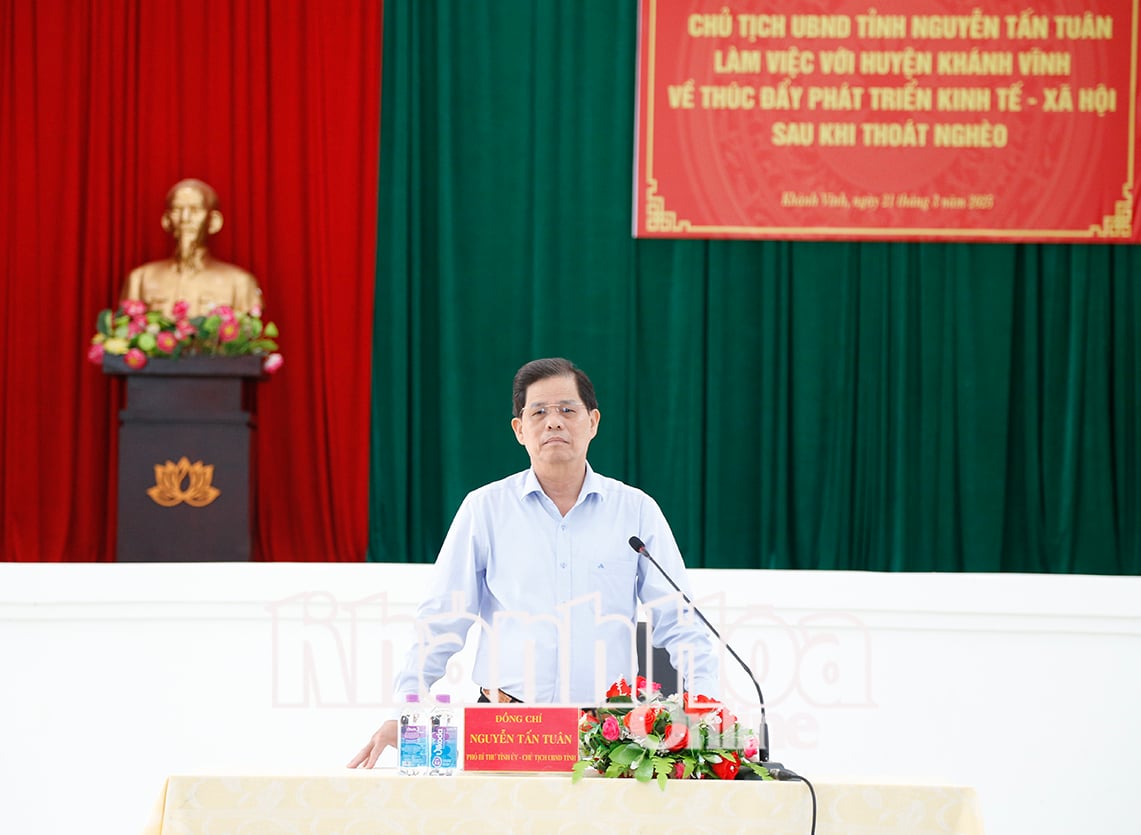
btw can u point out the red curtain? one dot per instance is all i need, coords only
(104, 104)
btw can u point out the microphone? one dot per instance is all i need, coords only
(763, 730)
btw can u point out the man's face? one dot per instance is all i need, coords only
(187, 215)
(555, 427)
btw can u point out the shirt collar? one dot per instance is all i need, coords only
(592, 484)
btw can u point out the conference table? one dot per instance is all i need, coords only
(345, 802)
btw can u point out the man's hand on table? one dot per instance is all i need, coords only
(383, 738)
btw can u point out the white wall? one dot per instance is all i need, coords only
(113, 676)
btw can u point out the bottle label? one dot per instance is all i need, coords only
(445, 747)
(413, 746)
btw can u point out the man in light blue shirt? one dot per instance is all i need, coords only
(541, 562)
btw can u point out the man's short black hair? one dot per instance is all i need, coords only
(544, 369)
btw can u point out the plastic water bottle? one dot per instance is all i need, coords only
(413, 739)
(445, 737)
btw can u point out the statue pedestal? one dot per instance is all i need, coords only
(184, 459)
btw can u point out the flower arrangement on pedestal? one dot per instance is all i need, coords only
(641, 734)
(139, 334)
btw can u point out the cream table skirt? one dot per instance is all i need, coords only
(381, 801)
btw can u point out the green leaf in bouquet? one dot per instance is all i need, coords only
(626, 754)
(270, 330)
(644, 771)
(662, 765)
(146, 341)
(105, 322)
(578, 771)
(757, 769)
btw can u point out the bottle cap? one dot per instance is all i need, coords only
(444, 698)
(412, 697)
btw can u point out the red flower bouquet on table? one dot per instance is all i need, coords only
(139, 334)
(640, 734)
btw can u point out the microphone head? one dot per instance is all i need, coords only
(637, 544)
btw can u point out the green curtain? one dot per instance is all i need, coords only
(882, 406)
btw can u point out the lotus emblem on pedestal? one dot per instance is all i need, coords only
(170, 478)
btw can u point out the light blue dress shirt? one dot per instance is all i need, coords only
(556, 597)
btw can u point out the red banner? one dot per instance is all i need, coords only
(997, 120)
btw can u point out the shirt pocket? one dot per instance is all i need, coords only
(614, 577)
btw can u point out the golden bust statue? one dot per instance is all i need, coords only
(191, 274)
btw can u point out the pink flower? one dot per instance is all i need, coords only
(272, 363)
(95, 353)
(138, 325)
(166, 341)
(752, 746)
(610, 729)
(135, 359)
(184, 329)
(134, 308)
(228, 330)
(255, 311)
(679, 770)
(179, 309)
(224, 312)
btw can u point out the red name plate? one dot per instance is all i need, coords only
(513, 738)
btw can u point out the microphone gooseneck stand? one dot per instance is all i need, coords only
(776, 770)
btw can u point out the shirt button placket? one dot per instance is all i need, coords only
(562, 556)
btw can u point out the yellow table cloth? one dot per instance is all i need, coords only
(381, 801)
